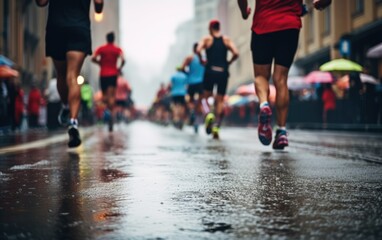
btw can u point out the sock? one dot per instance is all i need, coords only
(263, 104)
(281, 128)
(205, 107)
(73, 121)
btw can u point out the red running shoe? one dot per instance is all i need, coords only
(281, 140)
(265, 129)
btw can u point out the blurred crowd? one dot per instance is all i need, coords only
(38, 107)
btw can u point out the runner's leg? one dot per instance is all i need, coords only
(75, 59)
(62, 85)
(280, 77)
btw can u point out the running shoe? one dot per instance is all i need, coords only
(110, 124)
(215, 132)
(63, 117)
(106, 116)
(192, 118)
(265, 129)
(208, 122)
(281, 140)
(74, 136)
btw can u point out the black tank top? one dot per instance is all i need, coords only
(69, 13)
(217, 54)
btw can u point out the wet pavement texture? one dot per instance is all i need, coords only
(145, 181)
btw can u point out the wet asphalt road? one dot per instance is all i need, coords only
(146, 181)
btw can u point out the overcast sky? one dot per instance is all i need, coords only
(147, 31)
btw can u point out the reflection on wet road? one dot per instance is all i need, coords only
(150, 182)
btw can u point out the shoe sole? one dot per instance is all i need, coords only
(74, 139)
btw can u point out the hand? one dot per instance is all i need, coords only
(246, 14)
(321, 4)
(203, 62)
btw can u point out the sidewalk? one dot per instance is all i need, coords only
(373, 128)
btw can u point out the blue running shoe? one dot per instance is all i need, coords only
(281, 140)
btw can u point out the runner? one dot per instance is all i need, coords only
(195, 86)
(122, 94)
(107, 57)
(178, 93)
(68, 41)
(275, 31)
(216, 73)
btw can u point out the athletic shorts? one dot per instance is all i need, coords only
(121, 103)
(195, 89)
(178, 100)
(280, 46)
(59, 41)
(212, 78)
(106, 82)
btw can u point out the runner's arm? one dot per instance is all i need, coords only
(42, 3)
(122, 61)
(186, 62)
(98, 6)
(321, 4)
(200, 48)
(231, 46)
(244, 9)
(95, 58)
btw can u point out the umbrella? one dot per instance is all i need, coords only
(341, 65)
(319, 77)
(343, 82)
(245, 90)
(6, 61)
(375, 52)
(232, 100)
(297, 83)
(7, 72)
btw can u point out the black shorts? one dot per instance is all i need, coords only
(178, 100)
(212, 78)
(121, 103)
(280, 46)
(195, 89)
(59, 41)
(106, 82)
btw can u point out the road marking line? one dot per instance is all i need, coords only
(40, 143)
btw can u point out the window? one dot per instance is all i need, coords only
(327, 20)
(359, 6)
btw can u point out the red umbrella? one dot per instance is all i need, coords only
(245, 90)
(319, 77)
(7, 72)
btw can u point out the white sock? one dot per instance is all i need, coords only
(73, 121)
(281, 128)
(263, 104)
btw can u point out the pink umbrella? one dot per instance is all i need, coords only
(319, 77)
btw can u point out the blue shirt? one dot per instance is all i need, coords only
(179, 84)
(196, 71)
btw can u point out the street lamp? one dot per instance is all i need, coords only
(80, 80)
(98, 17)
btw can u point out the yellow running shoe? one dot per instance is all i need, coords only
(208, 122)
(215, 132)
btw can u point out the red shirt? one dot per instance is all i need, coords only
(276, 15)
(109, 54)
(34, 101)
(329, 99)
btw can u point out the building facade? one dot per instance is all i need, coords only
(346, 29)
(22, 27)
